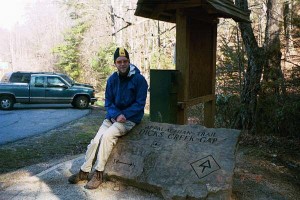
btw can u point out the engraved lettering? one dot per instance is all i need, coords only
(179, 135)
(170, 136)
(176, 137)
(191, 139)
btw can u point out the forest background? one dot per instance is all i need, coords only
(258, 64)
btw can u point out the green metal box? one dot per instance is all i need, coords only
(163, 95)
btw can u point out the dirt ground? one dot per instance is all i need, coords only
(267, 168)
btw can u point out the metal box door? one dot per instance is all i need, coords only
(163, 95)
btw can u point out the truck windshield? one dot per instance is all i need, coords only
(68, 79)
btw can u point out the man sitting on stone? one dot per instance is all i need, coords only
(125, 99)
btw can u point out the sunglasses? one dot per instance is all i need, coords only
(119, 62)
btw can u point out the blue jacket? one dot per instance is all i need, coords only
(126, 95)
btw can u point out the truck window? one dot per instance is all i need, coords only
(68, 79)
(20, 78)
(54, 82)
(26, 78)
(37, 81)
(16, 78)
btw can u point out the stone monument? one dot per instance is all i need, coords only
(176, 161)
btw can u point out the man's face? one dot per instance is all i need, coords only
(122, 64)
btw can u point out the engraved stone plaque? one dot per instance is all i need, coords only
(177, 161)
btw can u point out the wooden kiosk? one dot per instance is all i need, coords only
(196, 35)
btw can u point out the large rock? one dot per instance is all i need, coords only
(177, 161)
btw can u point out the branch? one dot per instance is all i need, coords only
(124, 27)
(164, 31)
(122, 19)
(291, 62)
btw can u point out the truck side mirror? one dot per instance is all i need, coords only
(61, 85)
(65, 86)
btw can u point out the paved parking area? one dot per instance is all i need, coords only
(28, 120)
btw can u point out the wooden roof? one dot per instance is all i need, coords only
(165, 10)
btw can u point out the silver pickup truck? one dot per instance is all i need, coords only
(46, 88)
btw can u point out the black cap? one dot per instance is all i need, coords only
(120, 52)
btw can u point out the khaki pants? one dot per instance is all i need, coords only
(106, 138)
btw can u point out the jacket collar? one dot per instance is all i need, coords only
(131, 71)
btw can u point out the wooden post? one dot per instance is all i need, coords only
(202, 64)
(182, 64)
(209, 114)
(210, 107)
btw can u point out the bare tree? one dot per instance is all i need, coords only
(272, 74)
(264, 61)
(251, 87)
(31, 42)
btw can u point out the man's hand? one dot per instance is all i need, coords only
(121, 118)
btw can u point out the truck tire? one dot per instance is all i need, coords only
(6, 102)
(81, 102)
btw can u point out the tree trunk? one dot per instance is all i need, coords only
(272, 74)
(287, 28)
(240, 58)
(246, 116)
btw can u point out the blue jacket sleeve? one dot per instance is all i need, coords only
(112, 110)
(140, 102)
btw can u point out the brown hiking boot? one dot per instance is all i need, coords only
(80, 176)
(96, 180)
